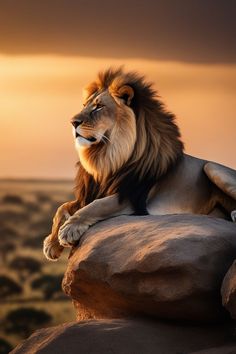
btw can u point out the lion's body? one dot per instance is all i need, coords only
(187, 189)
(131, 160)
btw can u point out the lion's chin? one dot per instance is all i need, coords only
(82, 142)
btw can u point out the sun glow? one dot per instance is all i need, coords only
(39, 95)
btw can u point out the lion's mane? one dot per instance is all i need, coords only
(157, 148)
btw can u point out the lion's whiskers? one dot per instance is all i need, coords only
(104, 137)
(100, 135)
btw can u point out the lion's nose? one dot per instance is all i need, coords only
(76, 123)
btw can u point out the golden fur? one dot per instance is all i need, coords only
(143, 144)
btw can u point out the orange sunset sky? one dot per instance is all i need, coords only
(50, 50)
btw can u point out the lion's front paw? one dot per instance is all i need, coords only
(52, 249)
(71, 231)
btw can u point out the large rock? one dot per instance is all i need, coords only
(122, 337)
(168, 266)
(228, 290)
(225, 349)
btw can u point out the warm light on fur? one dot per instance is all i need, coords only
(105, 159)
(142, 141)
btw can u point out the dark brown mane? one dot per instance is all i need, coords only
(158, 146)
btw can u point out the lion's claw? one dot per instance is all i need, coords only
(70, 233)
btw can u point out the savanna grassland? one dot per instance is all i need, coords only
(30, 286)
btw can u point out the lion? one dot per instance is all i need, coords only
(132, 161)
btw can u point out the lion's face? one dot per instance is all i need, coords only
(107, 125)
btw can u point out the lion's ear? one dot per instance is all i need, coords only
(126, 93)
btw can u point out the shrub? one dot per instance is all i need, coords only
(6, 248)
(7, 233)
(16, 217)
(5, 347)
(48, 284)
(24, 321)
(43, 197)
(8, 287)
(12, 199)
(34, 242)
(32, 207)
(25, 266)
(42, 227)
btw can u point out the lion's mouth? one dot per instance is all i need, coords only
(92, 139)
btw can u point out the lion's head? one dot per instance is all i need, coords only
(125, 139)
(105, 129)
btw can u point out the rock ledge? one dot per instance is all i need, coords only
(169, 267)
(121, 337)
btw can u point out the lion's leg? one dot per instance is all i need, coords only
(100, 209)
(52, 248)
(224, 179)
(227, 203)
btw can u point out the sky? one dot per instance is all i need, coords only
(176, 30)
(50, 50)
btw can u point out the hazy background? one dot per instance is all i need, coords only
(50, 49)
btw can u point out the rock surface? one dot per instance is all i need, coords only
(225, 349)
(228, 291)
(168, 267)
(122, 337)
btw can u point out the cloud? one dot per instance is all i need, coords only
(181, 30)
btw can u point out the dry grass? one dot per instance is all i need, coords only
(26, 211)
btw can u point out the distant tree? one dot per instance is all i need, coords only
(8, 287)
(48, 284)
(38, 230)
(5, 347)
(43, 197)
(7, 241)
(42, 227)
(32, 207)
(7, 233)
(6, 248)
(16, 216)
(25, 266)
(34, 242)
(24, 321)
(12, 199)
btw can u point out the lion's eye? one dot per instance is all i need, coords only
(98, 107)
